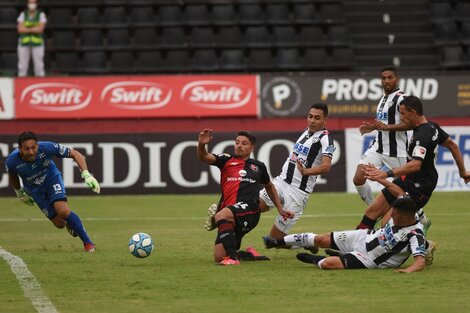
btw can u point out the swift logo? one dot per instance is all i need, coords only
(56, 96)
(216, 94)
(136, 95)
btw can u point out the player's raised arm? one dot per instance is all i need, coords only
(457, 155)
(205, 137)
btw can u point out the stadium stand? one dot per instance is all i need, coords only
(370, 33)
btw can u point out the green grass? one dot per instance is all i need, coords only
(180, 275)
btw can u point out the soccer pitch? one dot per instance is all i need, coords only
(180, 275)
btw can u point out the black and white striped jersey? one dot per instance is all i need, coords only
(309, 149)
(390, 246)
(390, 143)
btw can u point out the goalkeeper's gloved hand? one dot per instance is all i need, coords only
(91, 181)
(24, 197)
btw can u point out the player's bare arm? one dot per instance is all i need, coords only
(14, 181)
(417, 265)
(454, 149)
(79, 159)
(205, 137)
(272, 193)
(366, 128)
(391, 127)
(393, 188)
(323, 168)
(413, 166)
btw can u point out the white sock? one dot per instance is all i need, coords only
(302, 240)
(365, 192)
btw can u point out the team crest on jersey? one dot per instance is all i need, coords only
(254, 167)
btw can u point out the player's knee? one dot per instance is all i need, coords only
(224, 214)
(331, 263)
(59, 222)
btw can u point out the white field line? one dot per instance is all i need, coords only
(202, 216)
(31, 288)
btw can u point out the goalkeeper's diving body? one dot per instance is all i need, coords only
(43, 183)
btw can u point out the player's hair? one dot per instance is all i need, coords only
(25, 136)
(248, 135)
(405, 204)
(321, 106)
(413, 103)
(390, 68)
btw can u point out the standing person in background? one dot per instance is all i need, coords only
(31, 24)
(43, 183)
(389, 146)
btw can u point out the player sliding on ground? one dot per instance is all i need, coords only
(387, 247)
(43, 183)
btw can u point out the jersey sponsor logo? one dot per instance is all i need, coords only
(136, 95)
(56, 96)
(301, 149)
(330, 149)
(216, 94)
(419, 152)
(242, 173)
(281, 96)
(382, 116)
(436, 134)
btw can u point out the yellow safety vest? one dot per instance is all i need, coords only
(31, 39)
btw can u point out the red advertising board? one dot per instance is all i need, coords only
(136, 96)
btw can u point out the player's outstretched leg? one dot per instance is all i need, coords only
(74, 222)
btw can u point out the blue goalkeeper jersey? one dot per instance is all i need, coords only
(36, 173)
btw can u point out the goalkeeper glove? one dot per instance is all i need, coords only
(24, 197)
(91, 181)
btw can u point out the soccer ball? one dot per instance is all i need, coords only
(141, 245)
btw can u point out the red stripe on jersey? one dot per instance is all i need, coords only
(229, 180)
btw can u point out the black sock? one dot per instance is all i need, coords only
(366, 223)
(226, 236)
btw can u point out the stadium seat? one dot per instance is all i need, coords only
(257, 37)
(88, 17)
(229, 37)
(331, 13)
(122, 62)
(91, 39)
(285, 36)
(251, 14)
(260, 59)
(462, 11)
(59, 18)
(315, 59)
(67, 62)
(64, 40)
(174, 37)
(288, 59)
(452, 58)
(196, 14)
(202, 37)
(441, 12)
(149, 61)
(143, 16)
(232, 60)
(446, 33)
(342, 59)
(170, 15)
(8, 18)
(177, 61)
(338, 36)
(9, 40)
(277, 14)
(114, 17)
(465, 34)
(145, 38)
(205, 60)
(312, 36)
(9, 62)
(305, 13)
(95, 62)
(118, 39)
(223, 14)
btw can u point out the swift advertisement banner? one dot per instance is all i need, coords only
(136, 96)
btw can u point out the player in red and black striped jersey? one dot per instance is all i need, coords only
(241, 180)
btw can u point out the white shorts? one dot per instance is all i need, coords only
(292, 199)
(354, 242)
(381, 161)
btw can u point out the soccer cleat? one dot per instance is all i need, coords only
(252, 251)
(89, 247)
(310, 258)
(209, 224)
(71, 231)
(426, 224)
(332, 252)
(429, 256)
(312, 249)
(228, 261)
(269, 242)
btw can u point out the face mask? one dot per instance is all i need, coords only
(32, 6)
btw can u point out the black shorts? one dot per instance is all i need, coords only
(420, 196)
(247, 216)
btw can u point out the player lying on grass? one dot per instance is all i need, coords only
(387, 247)
(43, 183)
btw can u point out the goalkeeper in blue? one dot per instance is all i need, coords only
(43, 184)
